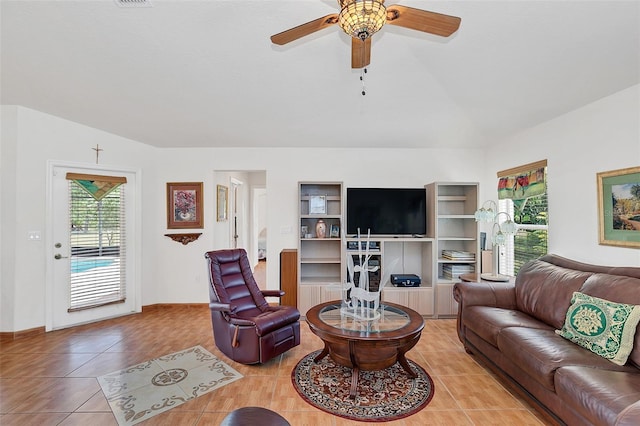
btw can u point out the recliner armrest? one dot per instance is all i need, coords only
(272, 293)
(222, 307)
(241, 321)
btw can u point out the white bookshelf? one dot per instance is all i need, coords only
(320, 260)
(451, 223)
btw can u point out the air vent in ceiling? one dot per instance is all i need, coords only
(133, 3)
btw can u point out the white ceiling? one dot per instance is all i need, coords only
(204, 73)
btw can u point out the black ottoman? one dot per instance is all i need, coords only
(251, 416)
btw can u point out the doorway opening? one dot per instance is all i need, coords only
(246, 226)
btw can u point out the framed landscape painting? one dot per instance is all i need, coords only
(184, 205)
(619, 207)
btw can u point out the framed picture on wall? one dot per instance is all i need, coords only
(619, 207)
(222, 200)
(184, 205)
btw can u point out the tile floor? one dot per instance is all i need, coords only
(51, 379)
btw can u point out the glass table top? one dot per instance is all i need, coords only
(384, 319)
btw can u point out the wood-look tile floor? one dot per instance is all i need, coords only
(50, 379)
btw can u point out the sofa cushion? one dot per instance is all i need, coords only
(541, 352)
(487, 322)
(621, 289)
(544, 290)
(605, 328)
(597, 394)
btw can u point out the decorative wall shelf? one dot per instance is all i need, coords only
(184, 238)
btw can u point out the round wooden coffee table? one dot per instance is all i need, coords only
(366, 344)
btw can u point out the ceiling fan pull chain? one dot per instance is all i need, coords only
(362, 73)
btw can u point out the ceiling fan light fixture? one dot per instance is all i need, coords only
(362, 18)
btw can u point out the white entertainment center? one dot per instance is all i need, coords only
(450, 225)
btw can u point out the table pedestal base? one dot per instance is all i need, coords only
(355, 369)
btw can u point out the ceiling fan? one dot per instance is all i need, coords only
(362, 18)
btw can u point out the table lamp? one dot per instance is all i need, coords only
(499, 233)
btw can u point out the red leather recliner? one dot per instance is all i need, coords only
(245, 327)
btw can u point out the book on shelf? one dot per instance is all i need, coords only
(453, 271)
(458, 255)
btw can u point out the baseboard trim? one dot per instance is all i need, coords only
(157, 306)
(6, 336)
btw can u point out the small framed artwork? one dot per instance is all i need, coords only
(222, 195)
(335, 231)
(619, 207)
(304, 230)
(184, 205)
(317, 204)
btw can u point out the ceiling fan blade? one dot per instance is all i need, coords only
(422, 20)
(360, 52)
(304, 29)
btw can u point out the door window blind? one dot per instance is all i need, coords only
(97, 240)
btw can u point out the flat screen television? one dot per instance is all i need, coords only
(387, 211)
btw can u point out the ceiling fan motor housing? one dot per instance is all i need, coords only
(362, 18)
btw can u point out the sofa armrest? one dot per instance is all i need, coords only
(493, 294)
(272, 293)
(630, 416)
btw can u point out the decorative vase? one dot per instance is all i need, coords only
(321, 229)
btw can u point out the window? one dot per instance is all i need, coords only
(530, 212)
(98, 242)
(530, 242)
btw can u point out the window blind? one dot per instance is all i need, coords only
(529, 242)
(98, 242)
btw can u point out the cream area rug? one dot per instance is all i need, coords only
(152, 387)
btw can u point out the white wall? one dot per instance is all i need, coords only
(183, 269)
(602, 136)
(8, 146)
(33, 138)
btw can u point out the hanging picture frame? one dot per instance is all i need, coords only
(619, 207)
(222, 200)
(184, 205)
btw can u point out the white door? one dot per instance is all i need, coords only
(91, 266)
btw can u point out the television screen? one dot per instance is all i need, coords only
(387, 211)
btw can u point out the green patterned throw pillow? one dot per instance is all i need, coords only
(605, 328)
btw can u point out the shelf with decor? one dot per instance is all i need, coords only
(452, 225)
(400, 255)
(320, 248)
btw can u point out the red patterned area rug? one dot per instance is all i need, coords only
(382, 396)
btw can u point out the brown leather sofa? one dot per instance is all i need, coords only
(511, 327)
